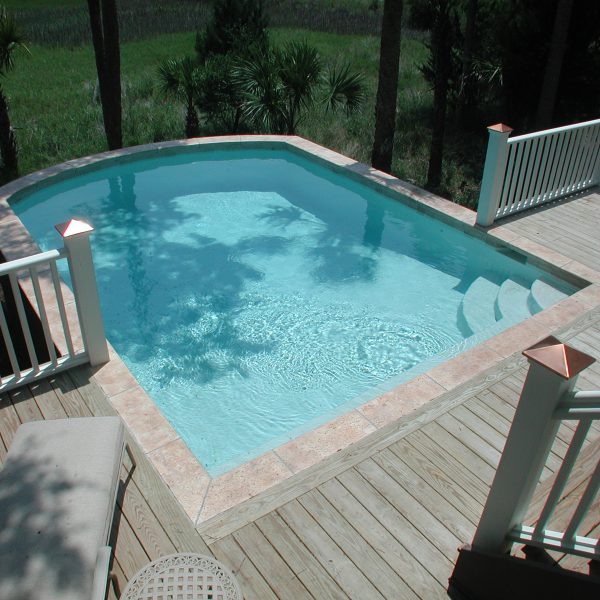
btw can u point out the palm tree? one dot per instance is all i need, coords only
(387, 88)
(554, 62)
(104, 24)
(441, 59)
(278, 85)
(10, 40)
(181, 78)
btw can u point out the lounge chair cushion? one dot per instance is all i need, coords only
(57, 495)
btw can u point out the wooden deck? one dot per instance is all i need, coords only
(384, 522)
(383, 519)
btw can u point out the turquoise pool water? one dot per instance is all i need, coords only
(255, 293)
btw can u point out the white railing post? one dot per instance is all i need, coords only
(493, 174)
(552, 373)
(76, 237)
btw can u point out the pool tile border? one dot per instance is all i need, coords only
(205, 499)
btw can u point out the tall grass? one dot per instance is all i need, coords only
(65, 23)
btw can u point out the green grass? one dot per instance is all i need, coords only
(55, 110)
(19, 5)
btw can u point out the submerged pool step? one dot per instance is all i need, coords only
(477, 309)
(512, 302)
(542, 295)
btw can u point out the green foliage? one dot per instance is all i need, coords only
(182, 79)
(344, 89)
(11, 39)
(279, 85)
(237, 26)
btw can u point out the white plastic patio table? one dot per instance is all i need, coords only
(183, 577)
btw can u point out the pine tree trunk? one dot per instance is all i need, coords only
(387, 88)
(9, 169)
(105, 37)
(547, 99)
(440, 48)
(112, 54)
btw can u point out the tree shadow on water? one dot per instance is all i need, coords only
(202, 293)
(36, 531)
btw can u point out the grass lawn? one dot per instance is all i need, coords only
(55, 110)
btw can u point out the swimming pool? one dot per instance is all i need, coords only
(256, 293)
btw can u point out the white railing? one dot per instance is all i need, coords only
(39, 275)
(547, 399)
(532, 169)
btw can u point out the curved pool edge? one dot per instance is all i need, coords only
(205, 499)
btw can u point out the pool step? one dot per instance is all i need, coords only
(542, 295)
(512, 302)
(486, 306)
(476, 310)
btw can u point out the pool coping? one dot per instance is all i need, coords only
(206, 499)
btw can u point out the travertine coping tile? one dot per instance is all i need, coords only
(144, 418)
(523, 335)
(461, 368)
(114, 377)
(242, 483)
(184, 475)
(313, 446)
(543, 252)
(203, 497)
(400, 401)
(582, 271)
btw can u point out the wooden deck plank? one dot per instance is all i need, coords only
(132, 555)
(412, 556)
(447, 463)
(502, 425)
(47, 400)
(9, 421)
(327, 552)
(469, 459)
(25, 406)
(312, 574)
(379, 572)
(144, 522)
(69, 396)
(428, 525)
(118, 581)
(423, 546)
(428, 498)
(439, 480)
(252, 583)
(270, 565)
(506, 410)
(470, 439)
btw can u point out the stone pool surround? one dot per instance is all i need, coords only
(204, 498)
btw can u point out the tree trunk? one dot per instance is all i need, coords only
(466, 94)
(556, 54)
(9, 169)
(192, 126)
(387, 88)
(105, 37)
(440, 49)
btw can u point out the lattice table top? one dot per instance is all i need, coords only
(183, 577)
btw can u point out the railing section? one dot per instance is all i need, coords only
(39, 274)
(532, 169)
(547, 399)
